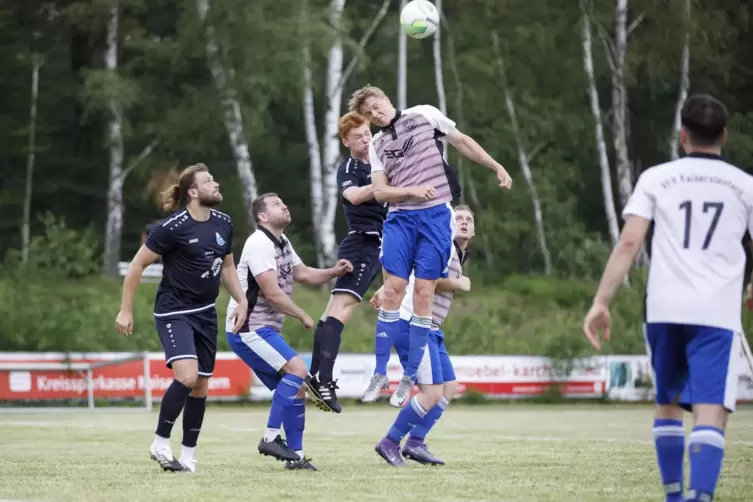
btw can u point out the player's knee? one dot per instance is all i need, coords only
(449, 389)
(431, 395)
(393, 292)
(188, 379)
(201, 387)
(712, 415)
(423, 294)
(296, 367)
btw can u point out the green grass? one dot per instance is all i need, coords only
(517, 452)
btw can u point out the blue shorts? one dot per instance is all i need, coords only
(435, 367)
(265, 351)
(189, 336)
(693, 364)
(418, 240)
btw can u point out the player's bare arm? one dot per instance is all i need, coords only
(383, 192)
(277, 298)
(618, 265)
(229, 277)
(310, 276)
(144, 257)
(359, 195)
(475, 152)
(462, 283)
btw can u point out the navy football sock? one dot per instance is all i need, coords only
(331, 336)
(316, 351)
(172, 404)
(193, 417)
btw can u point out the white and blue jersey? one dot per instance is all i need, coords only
(701, 207)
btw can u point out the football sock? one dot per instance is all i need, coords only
(330, 346)
(669, 440)
(706, 452)
(410, 415)
(386, 328)
(294, 421)
(170, 407)
(420, 431)
(283, 398)
(316, 351)
(419, 338)
(193, 417)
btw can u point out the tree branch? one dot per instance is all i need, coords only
(362, 43)
(146, 152)
(537, 149)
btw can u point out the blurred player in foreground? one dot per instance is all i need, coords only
(267, 270)
(361, 247)
(195, 244)
(701, 207)
(407, 160)
(435, 376)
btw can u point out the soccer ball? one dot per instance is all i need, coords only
(419, 19)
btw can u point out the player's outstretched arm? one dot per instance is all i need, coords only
(462, 283)
(359, 195)
(383, 192)
(229, 276)
(475, 152)
(143, 258)
(277, 298)
(317, 276)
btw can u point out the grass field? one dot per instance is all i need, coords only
(493, 452)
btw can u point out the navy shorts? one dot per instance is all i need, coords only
(419, 241)
(362, 250)
(189, 336)
(694, 364)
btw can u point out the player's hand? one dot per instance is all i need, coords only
(240, 315)
(597, 319)
(376, 301)
(307, 322)
(505, 181)
(465, 283)
(423, 192)
(749, 296)
(124, 323)
(343, 267)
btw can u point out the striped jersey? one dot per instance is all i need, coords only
(409, 151)
(442, 300)
(263, 252)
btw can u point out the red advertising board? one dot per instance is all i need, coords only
(232, 378)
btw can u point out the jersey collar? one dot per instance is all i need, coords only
(462, 255)
(280, 243)
(391, 126)
(703, 155)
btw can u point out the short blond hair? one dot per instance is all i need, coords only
(350, 121)
(466, 208)
(359, 97)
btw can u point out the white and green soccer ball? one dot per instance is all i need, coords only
(419, 18)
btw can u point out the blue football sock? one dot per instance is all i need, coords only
(420, 431)
(669, 439)
(294, 422)
(411, 415)
(706, 452)
(283, 398)
(419, 338)
(386, 329)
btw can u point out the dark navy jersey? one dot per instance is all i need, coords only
(367, 217)
(192, 254)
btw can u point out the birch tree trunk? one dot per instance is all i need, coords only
(331, 141)
(619, 105)
(684, 86)
(601, 146)
(114, 226)
(231, 108)
(438, 72)
(523, 158)
(36, 64)
(402, 66)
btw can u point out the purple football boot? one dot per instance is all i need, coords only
(390, 451)
(416, 450)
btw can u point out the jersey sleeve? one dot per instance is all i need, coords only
(346, 176)
(160, 240)
(259, 255)
(642, 202)
(438, 119)
(229, 248)
(374, 160)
